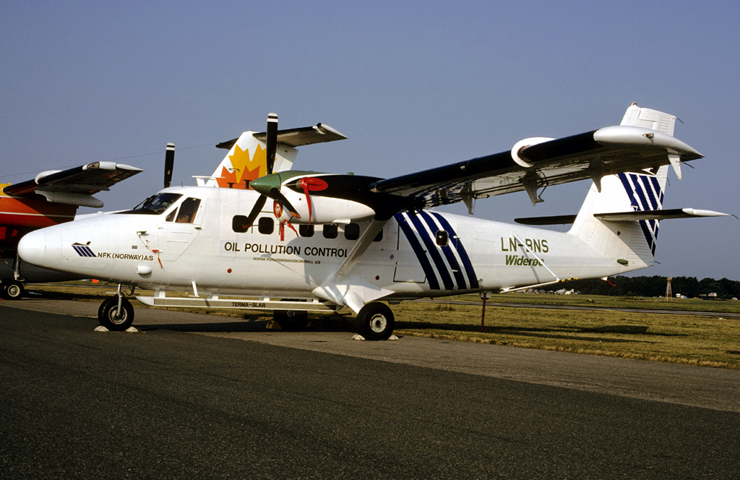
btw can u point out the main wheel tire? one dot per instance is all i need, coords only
(13, 290)
(291, 319)
(108, 314)
(375, 321)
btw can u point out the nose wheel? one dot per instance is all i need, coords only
(116, 313)
(12, 290)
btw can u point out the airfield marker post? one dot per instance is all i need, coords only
(483, 296)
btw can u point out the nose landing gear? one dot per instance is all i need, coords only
(12, 290)
(116, 313)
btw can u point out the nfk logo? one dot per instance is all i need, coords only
(83, 250)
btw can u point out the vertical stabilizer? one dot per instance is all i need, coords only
(247, 157)
(631, 243)
(649, 118)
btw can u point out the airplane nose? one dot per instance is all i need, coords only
(35, 248)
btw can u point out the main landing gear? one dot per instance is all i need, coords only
(291, 320)
(116, 313)
(375, 321)
(12, 290)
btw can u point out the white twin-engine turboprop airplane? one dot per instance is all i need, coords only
(362, 239)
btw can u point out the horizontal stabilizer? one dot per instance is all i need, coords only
(554, 220)
(624, 216)
(658, 215)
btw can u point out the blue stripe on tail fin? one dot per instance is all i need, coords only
(645, 193)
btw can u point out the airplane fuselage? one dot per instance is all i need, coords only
(424, 254)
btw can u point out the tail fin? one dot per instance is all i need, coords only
(649, 118)
(632, 243)
(247, 159)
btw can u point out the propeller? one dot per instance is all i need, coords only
(270, 184)
(169, 163)
(311, 184)
(272, 125)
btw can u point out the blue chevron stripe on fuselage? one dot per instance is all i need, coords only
(446, 266)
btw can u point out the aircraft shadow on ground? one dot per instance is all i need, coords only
(236, 325)
(220, 327)
(562, 333)
(347, 324)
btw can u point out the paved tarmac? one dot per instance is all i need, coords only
(238, 400)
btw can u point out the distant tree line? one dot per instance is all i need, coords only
(654, 286)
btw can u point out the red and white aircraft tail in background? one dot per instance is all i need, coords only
(51, 198)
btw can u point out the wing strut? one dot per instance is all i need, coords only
(345, 289)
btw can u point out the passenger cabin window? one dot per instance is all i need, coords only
(266, 226)
(305, 230)
(330, 231)
(442, 238)
(379, 236)
(352, 231)
(239, 224)
(188, 209)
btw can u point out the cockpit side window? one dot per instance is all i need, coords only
(188, 209)
(156, 204)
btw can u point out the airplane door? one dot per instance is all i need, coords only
(180, 228)
(408, 267)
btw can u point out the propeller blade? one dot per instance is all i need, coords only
(306, 188)
(309, 184)
(272, 126)
(255, 211)
(169, 164)
(275, 193)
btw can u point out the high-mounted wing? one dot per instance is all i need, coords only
(296, 137)
(247, 159)
(74, 186)
(643, 142)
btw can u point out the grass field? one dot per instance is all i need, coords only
(689, 339)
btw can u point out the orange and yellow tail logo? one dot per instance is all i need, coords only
(244, 169)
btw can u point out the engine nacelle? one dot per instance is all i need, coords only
(322, 210)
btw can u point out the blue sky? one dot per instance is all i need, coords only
(413, 85)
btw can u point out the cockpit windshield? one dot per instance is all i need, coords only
(156, 204)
